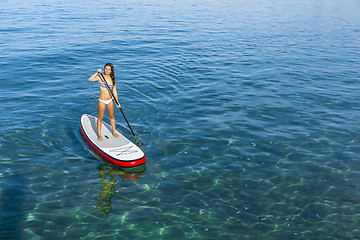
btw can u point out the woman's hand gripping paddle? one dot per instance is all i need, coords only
(118, 104)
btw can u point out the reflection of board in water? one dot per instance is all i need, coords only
(108, 190)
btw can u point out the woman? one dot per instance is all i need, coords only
(105, 99)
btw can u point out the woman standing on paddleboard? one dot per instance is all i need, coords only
(105, 99)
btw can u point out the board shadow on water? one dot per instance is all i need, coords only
(107, 175)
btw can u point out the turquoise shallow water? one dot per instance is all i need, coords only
(249, 111)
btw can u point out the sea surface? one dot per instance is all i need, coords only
(248, 111)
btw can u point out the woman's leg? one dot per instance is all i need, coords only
(110, 108)
(101, 112)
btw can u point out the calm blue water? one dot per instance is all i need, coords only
(249, 111)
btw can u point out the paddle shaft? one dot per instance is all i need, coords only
(117, 103)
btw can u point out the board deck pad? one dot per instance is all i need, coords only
(119, 151)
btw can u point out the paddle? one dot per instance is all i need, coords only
(117, 103)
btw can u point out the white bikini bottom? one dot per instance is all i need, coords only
(106, 101)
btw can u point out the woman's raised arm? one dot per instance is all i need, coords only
(94, 77)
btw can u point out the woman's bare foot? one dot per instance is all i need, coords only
(100, 138)
(115, 135)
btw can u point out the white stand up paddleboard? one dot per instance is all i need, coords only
(119, 151)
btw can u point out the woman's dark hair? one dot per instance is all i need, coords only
(112, 74)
